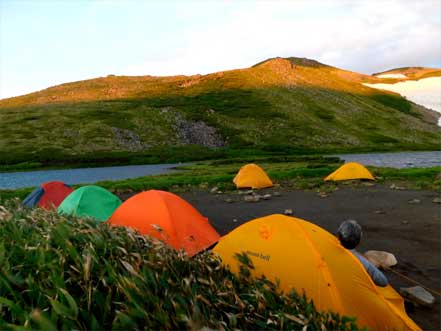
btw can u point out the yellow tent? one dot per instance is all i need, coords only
(253, 176)
(307, 258)
(351, 170)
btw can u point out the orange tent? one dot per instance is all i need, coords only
(167, 217)
(307, 258)
(351, 170)
(253, 176)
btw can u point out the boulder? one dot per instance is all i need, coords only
(418, 295)
(381, 258)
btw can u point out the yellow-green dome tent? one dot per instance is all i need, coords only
(307, 258)
(252, 176)
(351, 170)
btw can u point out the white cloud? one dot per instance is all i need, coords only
(363, 36)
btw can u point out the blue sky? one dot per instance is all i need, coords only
(45, 43)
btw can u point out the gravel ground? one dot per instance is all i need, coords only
(406, 223)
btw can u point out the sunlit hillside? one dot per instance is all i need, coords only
(279, 103)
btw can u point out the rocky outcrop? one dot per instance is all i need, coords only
(129, 140)
(198, 133)
(193, 132)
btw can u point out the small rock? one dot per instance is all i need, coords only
(214, 189)
(251, 198)
(323, 195)
(266, 197)
(414, 201)
(380, 212)
(219, 192)
(368, 184)
(235, 221)
(395, 187)
(381, 258)
(418, 295)
(249, 192)
(276, 194)
(436, 200)
(288, 212)
(404, 222)
(228, 200)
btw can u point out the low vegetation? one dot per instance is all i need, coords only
(293, 172)
(61, 273)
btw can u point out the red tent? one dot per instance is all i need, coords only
(48, 195)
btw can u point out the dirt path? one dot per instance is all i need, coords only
(411, 231)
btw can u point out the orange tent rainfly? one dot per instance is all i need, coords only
(167, 217)
(351, 170)
(307, 258)
(253, 176)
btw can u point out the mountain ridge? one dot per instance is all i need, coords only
(409, 73)
(277, 103)
(277, 64)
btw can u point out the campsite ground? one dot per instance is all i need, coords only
(393, 220)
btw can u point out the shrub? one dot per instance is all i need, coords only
(68, 273)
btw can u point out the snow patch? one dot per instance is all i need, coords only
(391, 76)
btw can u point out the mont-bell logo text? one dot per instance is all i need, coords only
(258, 255)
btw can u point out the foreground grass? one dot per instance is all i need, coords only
(68, 273)
(295, 172)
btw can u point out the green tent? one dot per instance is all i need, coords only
(91, 201)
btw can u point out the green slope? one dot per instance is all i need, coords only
(276, 104)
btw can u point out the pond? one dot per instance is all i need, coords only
(396, 160)
(12, 180)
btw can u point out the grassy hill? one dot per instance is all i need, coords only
(288, 104)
